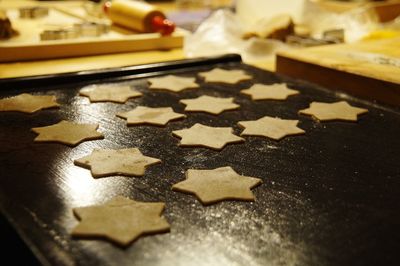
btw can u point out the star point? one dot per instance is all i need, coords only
(270, 127)
(209, 104)
(225, 76)
(28, 103)
(111, 93)
(120, 220)
(147, 115)
(205, 136)
(269, 92)
(68, 133)
(333, 111)
(211, 186)
(107, 162)
(172, 83)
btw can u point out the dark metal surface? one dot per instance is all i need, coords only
(329, 197)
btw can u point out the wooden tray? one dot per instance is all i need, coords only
(28, 46)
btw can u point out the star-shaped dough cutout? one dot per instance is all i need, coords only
(225, 76)
(28, 103)
(106, 162)
(270, 127)
(211, 186)
(333, 111)
(205, 136)
(173, 83)
(68, 133)
(209, 104)
(109, 93)
(120, 220)
(146, 115)
(269, 92)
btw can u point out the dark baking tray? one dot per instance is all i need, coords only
(329, 197)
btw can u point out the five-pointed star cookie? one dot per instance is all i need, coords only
(205, 136)
(209, 104)
(67, 133)
(274, 128)
(333, 111)
(224, 76)
(120, 220)
(28, 103)
(111, 93)
(269, 92)
(147, 115)
(128, 162)
(173, 83)
(211, 186)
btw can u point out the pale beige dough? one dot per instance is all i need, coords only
(205, 136)
(159, 116)
(120, 220)
(28, 103)
(225, 76)
(107, 162)
(270, 127)
(211, 186)
(66, 132)
(172, 83)
(269, 92)
(333, 111)
(209, 104)
(109, 93)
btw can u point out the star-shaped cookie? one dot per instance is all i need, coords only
(270, 127)
(211, 186)
(209, 104)
(225, 76)
(333, 111)
(269, 92)
(205, 136)
(147, 115)
(128, 162)
(109, 93)
(28, 103)
(172, 83)
(67, 133)
(120, 220)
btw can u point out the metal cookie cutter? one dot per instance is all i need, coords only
(61, 34)
(33, 12)
(91, 29)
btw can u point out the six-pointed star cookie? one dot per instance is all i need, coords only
(333, 111)
(67, 133)
(269, 92)
(173, 83)
(28, 103)
(225, 76)
(274, 128)
(120, 220)
(128, 162)
(147, 115)
(111, 93)
(219, 184)
(205, 136)
(209, 104)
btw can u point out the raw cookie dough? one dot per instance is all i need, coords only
(67, 133)
(224, 76)
(209, 104)
(28, 103)
(105, 162)
(109, 93)
(147, 115)
(120, 220)
(269, 92)
(333, 111)
(211, 186)
(172, 83)
(270, 127)
(205, 136)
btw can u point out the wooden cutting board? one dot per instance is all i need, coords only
(369, 69)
